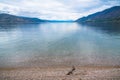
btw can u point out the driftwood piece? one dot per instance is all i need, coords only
(71, 71)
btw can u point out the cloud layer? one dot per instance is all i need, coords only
(55, 9)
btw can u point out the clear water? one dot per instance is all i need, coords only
(48, 44)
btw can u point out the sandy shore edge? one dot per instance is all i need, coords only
(61, 73)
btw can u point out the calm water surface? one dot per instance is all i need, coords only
(48, 44)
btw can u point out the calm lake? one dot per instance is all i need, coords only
(48, 44)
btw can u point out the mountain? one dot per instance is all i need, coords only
(7, 18)
(109, 15)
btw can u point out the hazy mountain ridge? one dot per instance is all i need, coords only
(8, 18)
(108, 15)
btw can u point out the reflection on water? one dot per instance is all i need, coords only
(59, 44)
(108, 28)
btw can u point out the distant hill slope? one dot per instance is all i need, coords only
(7, 18)
(108, 15)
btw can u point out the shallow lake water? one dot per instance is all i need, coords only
(48, 44)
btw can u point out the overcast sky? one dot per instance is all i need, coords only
(55, 9)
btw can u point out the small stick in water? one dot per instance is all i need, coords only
(71, 72)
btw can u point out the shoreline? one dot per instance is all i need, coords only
(59, 66)
(60, 73)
